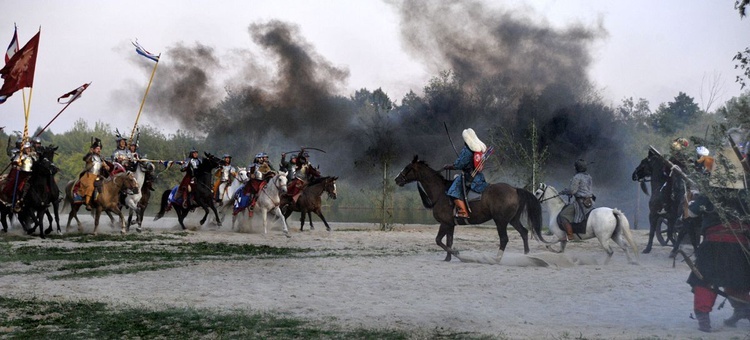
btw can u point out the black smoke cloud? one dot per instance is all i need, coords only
(509, 69)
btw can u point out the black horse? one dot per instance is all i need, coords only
(309, 201)
(42, 193)
(202, 195)
(500, 202)
(667, 194)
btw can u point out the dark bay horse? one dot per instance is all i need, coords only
(108, 200)
(43, 192)
(202, 195)
(500, 202)
(666, 195)
(309, 201)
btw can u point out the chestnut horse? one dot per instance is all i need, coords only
(108, 200)
(500, 202)
(309, 201)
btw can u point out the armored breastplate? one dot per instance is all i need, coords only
(225, 172)
(120, 156)
(27, 161)
(96, 164)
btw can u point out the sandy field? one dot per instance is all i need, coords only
(398, 279)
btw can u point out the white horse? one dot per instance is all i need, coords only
(132, 200)
(268, 199)
(227, 190)
(603, 223)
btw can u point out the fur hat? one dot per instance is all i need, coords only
(472, 141)
(96, 143)
(581, 165)
(702, 151)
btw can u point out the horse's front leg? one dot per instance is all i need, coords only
(205, 214)
(278, 214)
(652, 219)
(309, 219)
(216, 214)
(302, 221)
(97, 214)
(122, 222)
(446, 231)
(320, 214)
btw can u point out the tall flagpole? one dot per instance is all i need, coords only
(143, 102)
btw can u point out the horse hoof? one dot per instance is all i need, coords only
(138, 229)
(646, 251)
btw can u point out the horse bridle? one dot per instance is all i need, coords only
(544, 191)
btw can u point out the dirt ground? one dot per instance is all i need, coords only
(398, 279)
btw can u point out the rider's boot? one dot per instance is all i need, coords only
(704, 321)
(87, 202)
(568, 230)
(461, 208)
(741, 311)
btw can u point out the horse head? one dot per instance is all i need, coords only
(128, 183)
(409, 173)
(281, 181)
(146, 167)
(329, 186)
(242, 175)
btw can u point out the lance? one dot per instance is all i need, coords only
(671, 165)
(78, 94)
(143, 102)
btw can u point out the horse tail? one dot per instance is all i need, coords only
(532, 209)
(623, 226)
(163, 205)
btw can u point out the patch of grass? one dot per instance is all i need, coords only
(35, 319)
(129, 257)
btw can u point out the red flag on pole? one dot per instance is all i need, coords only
(19, 71)
(72, 95)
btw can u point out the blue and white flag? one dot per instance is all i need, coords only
(142, 51)
(13, 47)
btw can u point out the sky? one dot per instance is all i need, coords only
(650, 49)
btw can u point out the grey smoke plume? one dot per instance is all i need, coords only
(508, 69)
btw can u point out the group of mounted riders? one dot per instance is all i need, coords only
(299, 172)
(722, 264)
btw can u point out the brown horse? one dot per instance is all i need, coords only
(106, 201)
(500, 202)
(309, 201)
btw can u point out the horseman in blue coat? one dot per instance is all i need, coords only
(470, 163)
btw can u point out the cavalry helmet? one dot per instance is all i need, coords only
(193, 149)
(97, 143)
(581, 165)
(26, 145)
(259, 155)
(226, 155)
(37, 140)
(19, 141)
